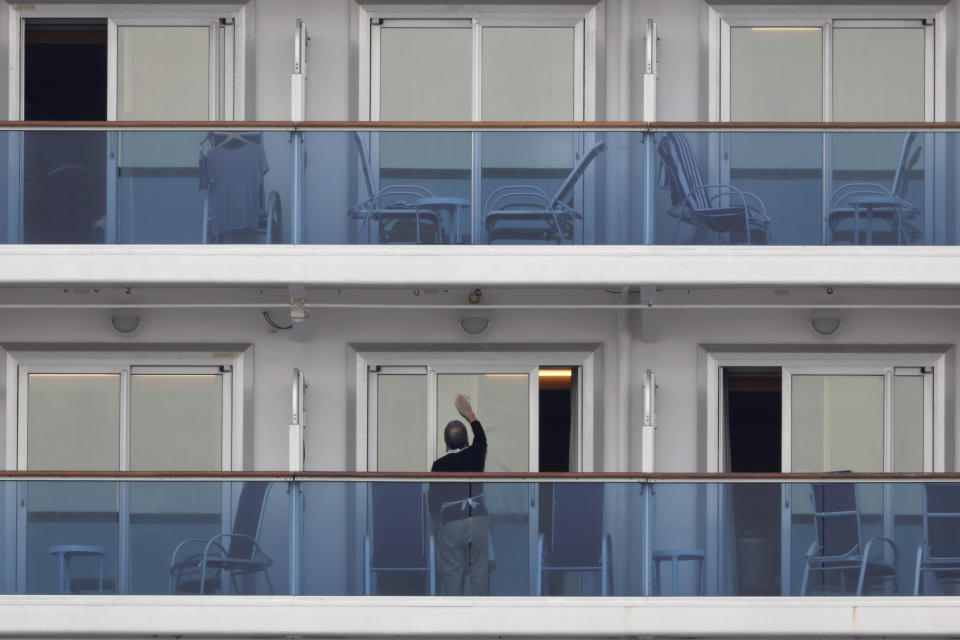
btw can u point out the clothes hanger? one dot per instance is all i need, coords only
(234, 136)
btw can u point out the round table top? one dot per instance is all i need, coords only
(76, 549)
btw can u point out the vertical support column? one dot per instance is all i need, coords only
(296, 186)
(298, 79)
(650, 72)
(648, 427)
(476, 202)
(649, 192)
(110, 228)
(295, 524)
(647, 538)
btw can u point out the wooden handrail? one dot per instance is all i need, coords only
(261, 125)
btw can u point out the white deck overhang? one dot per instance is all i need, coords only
(520, 617)
(386, 266)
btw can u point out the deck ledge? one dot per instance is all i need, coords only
(326, 616)
(606, 266)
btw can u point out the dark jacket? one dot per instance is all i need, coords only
(463, 494)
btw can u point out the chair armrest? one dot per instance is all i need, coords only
(721, 190)
(173, 558)
(887, 541)
(812, 551)
(256, 545)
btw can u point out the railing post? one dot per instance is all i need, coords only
(296, 193)
(111, 223)
(649, 199)
(646, 535)
(296, 521)
(476, 215)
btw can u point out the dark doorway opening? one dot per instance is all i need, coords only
(556, 418)
(65, 70)
(753, 402)
(64, 179)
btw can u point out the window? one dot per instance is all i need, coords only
(831, 412)
(535, 408)
(152, 66)
(464, 69)
(830, 67)
(133, 412)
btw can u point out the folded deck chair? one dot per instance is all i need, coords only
(873, 214)
(576, 542)
(398, 541)
(393, 210)
(721, 208)
(526, 214)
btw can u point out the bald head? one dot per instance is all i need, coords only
(455, 435)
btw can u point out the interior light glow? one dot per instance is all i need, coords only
(785, 28)
(555, 373)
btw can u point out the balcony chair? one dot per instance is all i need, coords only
(200, 573)
(576, 543)
(235, 209)
(526, 214)
(939, 552)
(867, 203)
(399, 211)
(399, 540)
(838, 547)
(720, 208)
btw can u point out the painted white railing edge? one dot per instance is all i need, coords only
(478, 266)
(322, 617)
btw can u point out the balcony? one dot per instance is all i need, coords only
(577, 535)
(622, 184)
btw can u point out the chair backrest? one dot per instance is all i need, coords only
(249, 517)
(576, 538)
(941, 519)
(836, 518)
(909, 156)
(566, 187)
(365, 165)
(398, 525)
(679, 171)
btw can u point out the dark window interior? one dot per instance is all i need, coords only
(65, 70)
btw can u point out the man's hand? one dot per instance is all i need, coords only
(463, 406)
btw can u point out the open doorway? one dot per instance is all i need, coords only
(64, 179)
(65, 70)
(753, 400)
(557, 397)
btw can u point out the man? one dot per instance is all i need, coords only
(458, 508)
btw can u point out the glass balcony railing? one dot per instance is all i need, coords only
(636, 185)
(632, 536)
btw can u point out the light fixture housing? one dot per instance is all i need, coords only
(474, 325)
(125, 323)
(826, 326)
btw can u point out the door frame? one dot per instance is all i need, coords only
(720, 19)
(232, 362)
(715, 358)
(460, 359)
(586, 19)
(132, 14)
